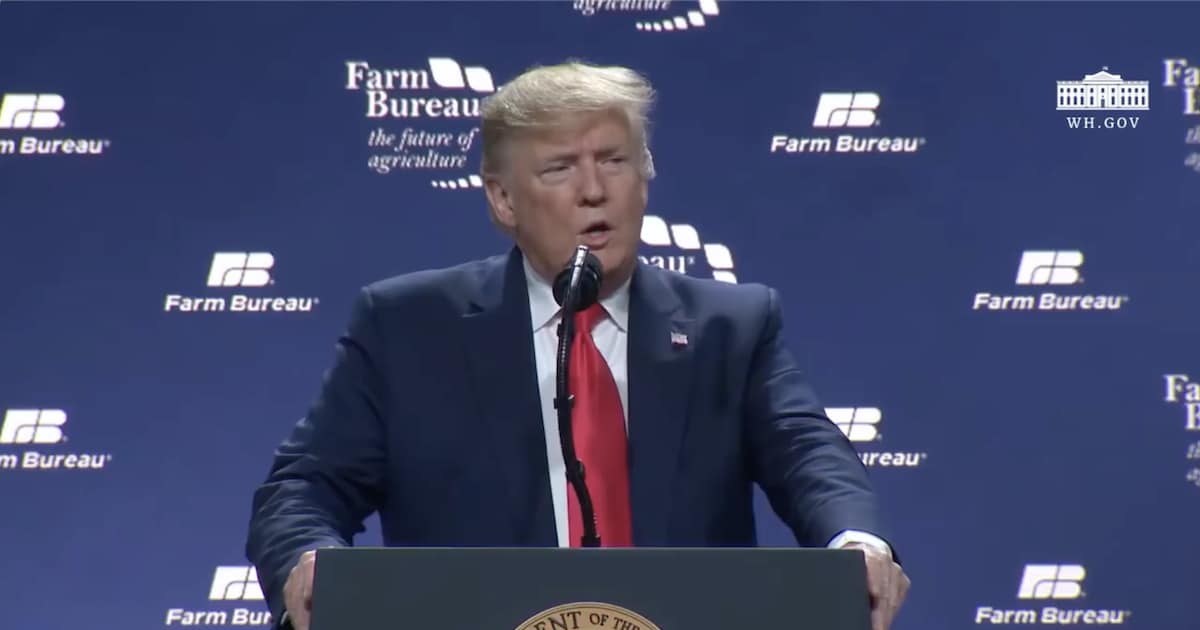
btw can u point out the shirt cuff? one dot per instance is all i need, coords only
(854, 536)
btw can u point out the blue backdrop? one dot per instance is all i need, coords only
(1033, 460)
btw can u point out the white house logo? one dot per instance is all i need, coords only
(1058, 268)
(229, 584)
(1058, 583)
(239, 270)
(438, 105)
(1103, 91)
(41, 113)
(861, 425)
(672, 16)
(846, 111)
(43, 429)
(686, 242)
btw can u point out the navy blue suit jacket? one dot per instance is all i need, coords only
(430, 414)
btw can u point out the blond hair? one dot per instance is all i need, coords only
(543, 94)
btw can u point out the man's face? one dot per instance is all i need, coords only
(577, 183)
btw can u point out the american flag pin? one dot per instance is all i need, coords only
(678, 339)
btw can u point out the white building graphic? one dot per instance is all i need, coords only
(1103, 91)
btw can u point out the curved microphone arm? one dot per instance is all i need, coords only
(564, 402)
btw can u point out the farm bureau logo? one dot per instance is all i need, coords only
(1179, 73)
(676, 20)
(861, 426)
(43, 428)
(1050, 582)
(229, 584)
(657, 233)
(587, 616)
(1060, 268)
(1103, 91)
(239, 269)
(1182, 391)
(41, 112)
(849, 111)
(407, 94)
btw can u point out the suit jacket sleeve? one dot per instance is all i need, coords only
(808, 469)
(327, 476)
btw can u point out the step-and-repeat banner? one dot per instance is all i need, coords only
(983, 218)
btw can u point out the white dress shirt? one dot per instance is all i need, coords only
(611, 336)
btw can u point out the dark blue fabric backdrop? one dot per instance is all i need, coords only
(1028, 437)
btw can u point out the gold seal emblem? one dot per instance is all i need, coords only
(587, 616)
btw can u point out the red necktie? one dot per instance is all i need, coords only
(598, 426)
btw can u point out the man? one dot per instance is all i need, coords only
(438, 411)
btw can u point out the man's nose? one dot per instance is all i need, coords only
(591, 185)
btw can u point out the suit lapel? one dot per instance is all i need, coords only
(661, 342)
(500, 357)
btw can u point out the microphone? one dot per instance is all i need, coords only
(576, 287)
(580, 278)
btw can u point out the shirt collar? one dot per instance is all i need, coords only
(544, 310)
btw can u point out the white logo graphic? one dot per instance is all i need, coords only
(236, 583)
(1100, 92)
(692, 19)
(31, 111)
(446, 89)
(1050, 267)
(447, 73)
(240, 269)
(656, 232)
(1052, 581)
(33, 426)
(1103, 91)
(229, 584)
(1190, 400)
(1055, 582)
(860, 424)
(1178, 73)
(681, 21)
(846, 109)
(42, 427)
(40, 112)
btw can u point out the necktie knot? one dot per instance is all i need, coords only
(587, 319)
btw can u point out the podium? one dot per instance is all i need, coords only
(504, 588)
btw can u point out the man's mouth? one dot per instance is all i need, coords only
(597, 227)
(595, 234)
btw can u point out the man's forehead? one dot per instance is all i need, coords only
(576, 130)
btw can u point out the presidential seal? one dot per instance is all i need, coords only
(587, 616)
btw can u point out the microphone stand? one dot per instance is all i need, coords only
(564, 402)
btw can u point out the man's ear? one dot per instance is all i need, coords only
(499, 203)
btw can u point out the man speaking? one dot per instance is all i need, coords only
(438, 411)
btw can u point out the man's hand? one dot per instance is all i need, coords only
(887, 584)
(297, 592)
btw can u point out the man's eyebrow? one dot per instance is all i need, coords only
(571, 155)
